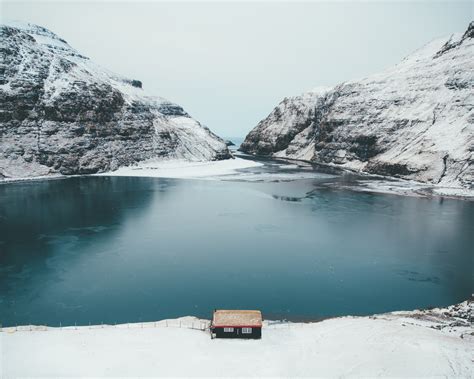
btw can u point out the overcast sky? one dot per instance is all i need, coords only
(228, 64)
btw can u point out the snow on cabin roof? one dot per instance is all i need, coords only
(236, 318)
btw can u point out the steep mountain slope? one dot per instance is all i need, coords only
(61, 113)
(415, 120)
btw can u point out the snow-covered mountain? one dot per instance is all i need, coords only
(61, 113)
(414, 120)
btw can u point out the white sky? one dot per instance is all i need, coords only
(229, 63)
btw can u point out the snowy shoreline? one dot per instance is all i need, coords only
(390, 185)
(436, 342)
(231, 169)
(183, 169)
(172, 168)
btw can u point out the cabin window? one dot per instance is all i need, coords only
(228, 330)
(246, 330)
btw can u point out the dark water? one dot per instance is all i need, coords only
(104, 249)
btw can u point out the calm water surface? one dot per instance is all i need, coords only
(110, 249)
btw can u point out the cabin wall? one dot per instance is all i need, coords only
(237, 333)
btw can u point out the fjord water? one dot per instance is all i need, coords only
(115, 250)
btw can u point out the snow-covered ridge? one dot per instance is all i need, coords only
(414, 120)
(62, 113)
(41, 35)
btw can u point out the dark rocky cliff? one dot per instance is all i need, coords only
(415, 120)
(61, 113)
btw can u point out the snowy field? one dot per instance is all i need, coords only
(437, 343)
(184, 168)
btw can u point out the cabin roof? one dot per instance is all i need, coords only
(236, 318)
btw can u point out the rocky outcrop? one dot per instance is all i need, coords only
(62, 114)
(415, 120)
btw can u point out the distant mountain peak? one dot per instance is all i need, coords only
(456, 40)
(469, 33)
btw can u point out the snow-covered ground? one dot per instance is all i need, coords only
(407, 188)
(177, 168)
(437, 343)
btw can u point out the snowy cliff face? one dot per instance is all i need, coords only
(61, 113)
(415, 120)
